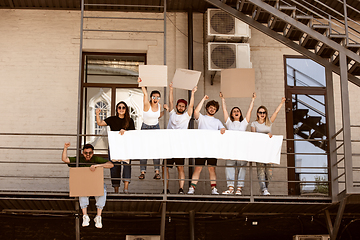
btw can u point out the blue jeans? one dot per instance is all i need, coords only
(230, 172)
(116, 173)
(143, 162)
(264, 173)
(100, 200)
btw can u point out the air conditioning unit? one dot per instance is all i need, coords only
(228, 55)
(311, 237)
(223, 26)
(142, 237)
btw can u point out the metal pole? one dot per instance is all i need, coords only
(331, 129)
(345, 106)
(77, 221)
(165, 125)
(192, 224)
(346, 23)
(163, 221)
(191, 67)
(78, 143)
(251, 182)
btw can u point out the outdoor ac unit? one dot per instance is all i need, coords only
(142, 237)
(311, 237)
(228, 55)
(221, 25)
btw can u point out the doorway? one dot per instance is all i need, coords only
(306, 118)
(107, 80)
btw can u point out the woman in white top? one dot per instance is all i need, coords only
(151, 117)
(263, 125)
(236, 122)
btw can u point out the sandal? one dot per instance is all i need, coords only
(157, 176)
(142, 176)
(238, 191)
(230, 191)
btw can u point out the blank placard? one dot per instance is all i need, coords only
(153, 75)
(186, 79)
(238, 82)
(84, 182)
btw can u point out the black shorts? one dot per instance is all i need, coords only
(171, 161)
(210, 161)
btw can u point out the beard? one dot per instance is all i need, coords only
(180, 111)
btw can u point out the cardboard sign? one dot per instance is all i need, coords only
(153, 75)
(186, 79)
(238, 82)
(84, 182)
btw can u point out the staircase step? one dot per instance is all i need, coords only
(325, 51)
(288, 10)
(278, 25)
(309, 42)
(294, 34)
(299, 114)
(355, 69)
(312, 120)
(353, 47)
(321, 28)
(262, 16)
(338, 38)
(320, 131)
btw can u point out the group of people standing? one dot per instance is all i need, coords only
(179, 117)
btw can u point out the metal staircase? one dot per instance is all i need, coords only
(311, 31)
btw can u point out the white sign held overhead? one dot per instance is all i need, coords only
(153, 75)
(186, 79)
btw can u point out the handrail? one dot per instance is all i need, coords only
(312, 108)
(305, 75)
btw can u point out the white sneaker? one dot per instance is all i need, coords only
(86, 221)
(214, 191)
(97, 221)
(265, 192)
(238, 191)
(191, 190)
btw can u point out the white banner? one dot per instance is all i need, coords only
(195, 143)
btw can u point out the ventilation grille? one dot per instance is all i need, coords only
(221, 23)
(222, 56)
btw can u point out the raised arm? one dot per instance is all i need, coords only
(192, 99)
(171, 97)
(273, 117)
(146, 97)
(248, 114)
(223, 103)
(98, 120)
(64, 156)
(199, 106)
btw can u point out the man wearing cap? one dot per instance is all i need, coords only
(178, 120)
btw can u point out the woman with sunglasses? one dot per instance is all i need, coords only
(236, 122)
(121, 122)
(151, 117)
(263, 125)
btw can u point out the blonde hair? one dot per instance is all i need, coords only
(267, 120)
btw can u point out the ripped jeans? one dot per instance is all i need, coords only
(264, 174)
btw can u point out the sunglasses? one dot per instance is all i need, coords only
(88, 153)
(261, 112)
(121, 107)
(153, 97)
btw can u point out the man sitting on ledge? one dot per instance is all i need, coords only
(88, 159)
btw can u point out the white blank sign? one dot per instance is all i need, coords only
(153, 75)
(186, 79)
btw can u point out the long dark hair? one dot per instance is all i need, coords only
(232, 118)
(127, 114)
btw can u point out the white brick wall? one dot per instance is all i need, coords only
(39, 71)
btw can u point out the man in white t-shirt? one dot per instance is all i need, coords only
(178, 119)
(209, 122)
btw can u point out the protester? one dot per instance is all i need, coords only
(88, 159)
(121, 122)
(211, 123)
(178, 120)
(236, 122)
(263, 125)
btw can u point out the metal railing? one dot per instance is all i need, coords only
(20, 173)
(348, 172)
